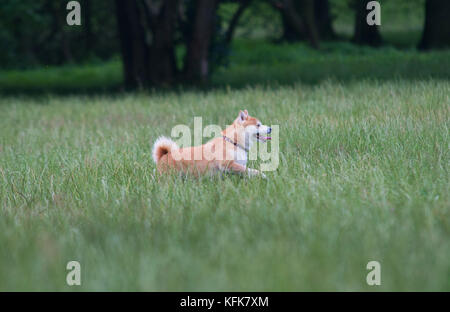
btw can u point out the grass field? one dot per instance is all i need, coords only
(363, 176)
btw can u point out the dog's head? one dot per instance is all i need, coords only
(251, 128)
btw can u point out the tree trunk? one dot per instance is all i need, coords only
(299, 21)
(436, 33)
(87, 22)
(197, 56)
(135, 52)
(162, 50)
(324, 20)
(235, 19)
(58, 11)
(364, 33)
(292, 33)
(307, 14)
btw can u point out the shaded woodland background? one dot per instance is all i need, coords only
(170, 42)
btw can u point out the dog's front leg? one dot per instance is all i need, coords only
(254, 172)
(238, 168)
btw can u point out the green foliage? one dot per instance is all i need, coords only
(398, 17)
(260, 62)
(35, 33)
(253, 62)
(258, 21)
(18, 21)
(68, 78)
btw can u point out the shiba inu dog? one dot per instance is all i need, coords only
(226, 153)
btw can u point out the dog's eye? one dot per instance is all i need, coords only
(258, 125)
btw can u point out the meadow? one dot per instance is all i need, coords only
(363, 175)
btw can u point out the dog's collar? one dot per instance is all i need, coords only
(234, 143)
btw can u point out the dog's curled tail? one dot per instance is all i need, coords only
(162, 146)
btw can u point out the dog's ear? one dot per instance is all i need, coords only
(242, 116)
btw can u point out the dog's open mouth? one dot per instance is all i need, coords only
(262, 138)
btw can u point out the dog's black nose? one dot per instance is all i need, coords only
(270, 130)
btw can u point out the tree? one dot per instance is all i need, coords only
(133, 44)
(436, 33)
(243, 4)
(324, 20)
(197, 66)
(365, 34)
(298, 20)
(87, 22)
(306, 20)
(147, 30)
(162, 23)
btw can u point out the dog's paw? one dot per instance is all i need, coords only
(255, 172)
(252, 172)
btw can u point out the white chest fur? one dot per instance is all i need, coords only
(240, 156)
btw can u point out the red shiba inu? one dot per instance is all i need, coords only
(226, 153)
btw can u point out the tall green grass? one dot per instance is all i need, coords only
(363, 176)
